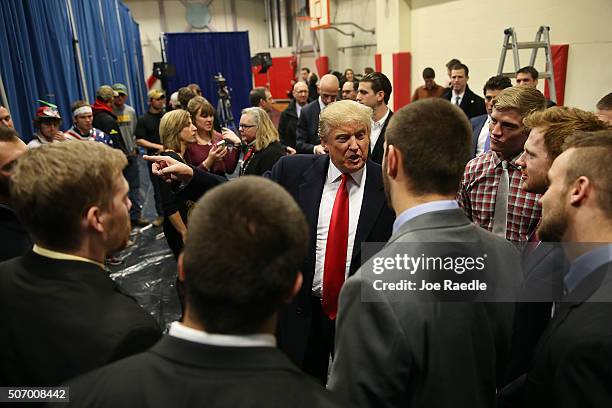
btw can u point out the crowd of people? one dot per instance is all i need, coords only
(318, 305)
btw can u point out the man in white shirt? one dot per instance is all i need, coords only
(224, 350)
(374, 91)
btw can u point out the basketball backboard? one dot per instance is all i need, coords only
(319, 13)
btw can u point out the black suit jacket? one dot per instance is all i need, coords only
(477, 124)
(307, 133)
(287, 126)
(377, 151)
(62, 318)
(263, 160)
(14, 239)
(181, 373)
(472, 104)
(571, 365)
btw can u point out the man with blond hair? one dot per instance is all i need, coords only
(62, 314)
(341, 194)
(490, 192)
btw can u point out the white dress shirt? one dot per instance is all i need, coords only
(376, 129)
(356, 187)
(298, 109)
(181, 331)
(454, 98)
(482, 137)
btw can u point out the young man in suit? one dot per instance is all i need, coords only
(306, 325)
(544, 264)
(571, 364)
(375, 91)
(460, 93)
(480, 124)
(307, 134)
(405, 348)
(224, 351)
(62, 314)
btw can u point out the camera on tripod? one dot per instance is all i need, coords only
(224, 104)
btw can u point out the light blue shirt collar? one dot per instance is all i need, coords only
(585, 264)
(407, 215)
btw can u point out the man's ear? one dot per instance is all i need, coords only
(580, 191)
(181, 271)
(393, 161)
(93, 219)
(380, 96)
(324, 143)
(297, 285)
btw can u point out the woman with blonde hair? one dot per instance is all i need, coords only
(176, 133)
(213, 151)
(261, 137)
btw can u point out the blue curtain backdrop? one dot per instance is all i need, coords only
(197, 57)
(39, 62)
(37, 59)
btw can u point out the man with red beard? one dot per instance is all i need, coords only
(342, 196)
(62, 314)
(490, 192)
(544, 264)
(571, 364)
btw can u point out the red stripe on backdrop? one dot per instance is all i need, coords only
(322, 64)
(402, 65)
(559, 58)
(280, 76)
(377, 62)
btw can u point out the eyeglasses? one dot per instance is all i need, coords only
(246, 126)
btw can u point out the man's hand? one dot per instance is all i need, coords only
(170, 169)
(319, 149)
(59, 136)
(290, 150)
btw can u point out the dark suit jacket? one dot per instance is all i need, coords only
(543, 271)
(472, 104)
(180, 373)
(264, 160)
(307, 133)
(62, 318)
(477, 124)
(14, 239)
(377, 151)
(394, 349)
(571, 365)
(287, 127)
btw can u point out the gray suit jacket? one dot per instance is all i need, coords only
(404, 350)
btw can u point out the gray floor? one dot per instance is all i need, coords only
(148, 269)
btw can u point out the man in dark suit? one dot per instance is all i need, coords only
(480, 124)
(287, 126)
(223, 353)
(528, 76)
(460, 93)
(14, 239)
(374, 91)
(306, 325)
(571, 364)
(307, 134)
(544, 264)
(418, 347)
(62, 315)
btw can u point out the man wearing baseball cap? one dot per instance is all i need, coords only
(104, 118)
(126, 119)
(147, 136)
(47, 122)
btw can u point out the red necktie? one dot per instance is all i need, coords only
(335, 251)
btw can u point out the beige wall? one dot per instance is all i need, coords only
(433, 30)
(472, 30)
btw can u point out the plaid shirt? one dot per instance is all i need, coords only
(479, 188)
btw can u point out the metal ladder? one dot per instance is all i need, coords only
(538, 43)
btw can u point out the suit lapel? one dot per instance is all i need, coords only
(373, 201)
